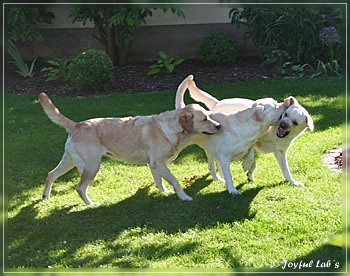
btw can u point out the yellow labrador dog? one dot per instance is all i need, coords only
(278, 138)
(239, 132)
(154, 139)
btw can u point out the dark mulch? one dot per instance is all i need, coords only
(133, 78)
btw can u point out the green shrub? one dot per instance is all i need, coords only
(296, 31)
(218, 49)
(91, 70)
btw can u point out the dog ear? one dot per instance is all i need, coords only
(186, 121)
(258, 114)
(310, 123)
(290, 101)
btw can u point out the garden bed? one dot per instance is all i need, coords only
(133, 78)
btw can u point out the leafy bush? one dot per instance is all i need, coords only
(57, 71)
(293, 30)
(91, 70)
(218, 49)
(165, 62)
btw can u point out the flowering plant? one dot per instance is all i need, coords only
(329, 35)
(330, 40)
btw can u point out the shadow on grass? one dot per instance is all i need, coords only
(329, 115)
(33, 241)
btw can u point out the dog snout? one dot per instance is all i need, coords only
(283, 125)
(216, 124)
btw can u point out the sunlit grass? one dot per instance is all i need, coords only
(138, 227)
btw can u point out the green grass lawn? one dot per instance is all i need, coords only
(138, 227)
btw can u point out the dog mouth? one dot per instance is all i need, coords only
(208, 133)
(281, 133)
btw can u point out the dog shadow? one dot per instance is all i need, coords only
(144, 210)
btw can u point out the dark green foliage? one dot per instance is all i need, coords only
(23, 69)
(218, 49)
(22, 20)
(57, 71)
(293, 30)
(21, 26)
(91, 70)
(116, 25)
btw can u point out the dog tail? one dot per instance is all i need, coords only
(179, 98)
(54, 114)
(201, 96)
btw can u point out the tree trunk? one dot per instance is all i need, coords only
(120, 46)
(110, 36)
(124, 53)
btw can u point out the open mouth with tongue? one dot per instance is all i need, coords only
(281, 133)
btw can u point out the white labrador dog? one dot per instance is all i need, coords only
(239, 132)
(154, 139)
(278, 138)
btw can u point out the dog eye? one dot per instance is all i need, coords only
(285, 115)
(295, 123)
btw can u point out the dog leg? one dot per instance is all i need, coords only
(88, 162)
(211, 167)
(219, 168)
(219, 176)
(249, 164)
(87, 176)
(64, 166)
(158, 180)
(281, 157)
(163, 171)
(225, 166)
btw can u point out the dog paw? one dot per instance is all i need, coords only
(234, 192)
(250, 177)
(218, 178)
(94, 204)
(186, 198)
(298, 184)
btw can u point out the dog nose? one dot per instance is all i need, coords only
(218, 127)
(283, 125)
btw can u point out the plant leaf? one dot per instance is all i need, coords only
(54, 62)
(51, 78)
(153, 72)
(170, 67)
(163, 55)
(179, 61)
(32, 68)
(46, 69)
